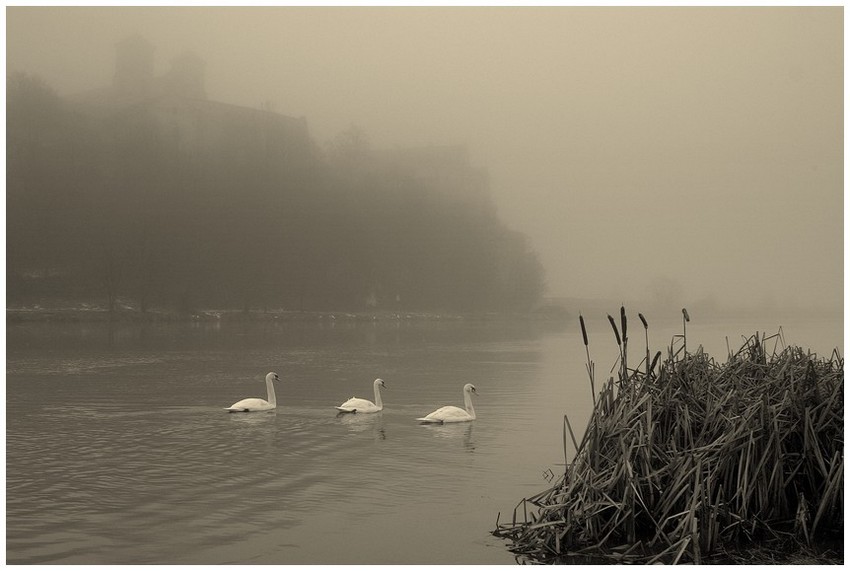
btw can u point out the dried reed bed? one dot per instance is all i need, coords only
(691, 458)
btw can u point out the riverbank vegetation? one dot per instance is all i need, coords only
(686, 459)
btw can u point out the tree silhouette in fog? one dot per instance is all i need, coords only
(186, 204)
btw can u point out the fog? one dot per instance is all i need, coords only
(697, 151)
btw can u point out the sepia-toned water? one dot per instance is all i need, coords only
(118, 449)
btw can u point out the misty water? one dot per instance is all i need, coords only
(119, 450)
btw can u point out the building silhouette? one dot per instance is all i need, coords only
(185, 123)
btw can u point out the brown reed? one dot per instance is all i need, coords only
(696, 459)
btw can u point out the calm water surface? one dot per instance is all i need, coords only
(118, 450)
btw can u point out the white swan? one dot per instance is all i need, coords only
(453, 413)
(355, 404)
(255, 404)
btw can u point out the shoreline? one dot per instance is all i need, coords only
(95, 314)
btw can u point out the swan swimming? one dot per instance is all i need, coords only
(453, 413)
(255, 404)
(355, 404)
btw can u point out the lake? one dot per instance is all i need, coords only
(118, 449)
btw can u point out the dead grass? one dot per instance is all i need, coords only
(689, 460)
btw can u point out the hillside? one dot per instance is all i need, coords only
(149, 193)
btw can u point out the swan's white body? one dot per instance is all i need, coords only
(355, 404)
(255, 404)
(453, 413)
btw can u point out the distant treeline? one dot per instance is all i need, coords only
(100, 207)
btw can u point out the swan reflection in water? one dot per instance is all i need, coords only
(252, 419)
(357, 423)
(454, 431)
(259, 429)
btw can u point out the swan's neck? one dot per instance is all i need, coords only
(270, 389)
(467, 403)
(378, 402)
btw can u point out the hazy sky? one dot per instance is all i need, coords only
(702, 145)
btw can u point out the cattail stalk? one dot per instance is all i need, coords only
(623, 320)
(619, 345)
(646, 334)
(589, 362)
